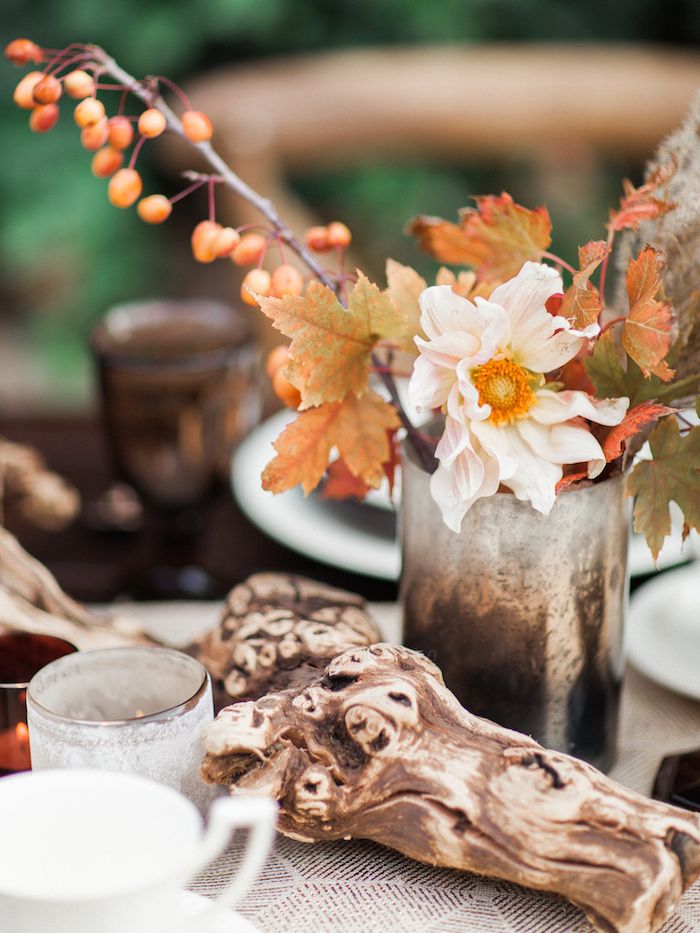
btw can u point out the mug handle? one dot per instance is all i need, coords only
(226, 815)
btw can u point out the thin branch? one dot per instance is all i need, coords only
(228, 177)
(145, 92)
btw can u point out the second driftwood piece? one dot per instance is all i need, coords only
(280, 630)
(378, 748)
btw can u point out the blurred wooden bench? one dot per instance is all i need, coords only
(440, 103)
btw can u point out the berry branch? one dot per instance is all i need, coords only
(228, 176)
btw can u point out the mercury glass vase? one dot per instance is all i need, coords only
(523, 612)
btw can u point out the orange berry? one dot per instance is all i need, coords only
(154, 209)
(257, 281)
(23, 51)
(196, 126)
(152, 122)
(317, 239)
(125, 187)
(277, 359)
(287, 280)
(94, 136)
(43, 118)
(48, 90)
(121, 132)
(225, 241)
(339, 235)
(203, 238)
(250, 250)
(285, 391)
(106, 162)
(88, 111)
(79, 84)
(23, 94)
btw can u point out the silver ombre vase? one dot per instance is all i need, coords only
(523, 612)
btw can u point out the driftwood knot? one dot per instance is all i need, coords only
(378, 748)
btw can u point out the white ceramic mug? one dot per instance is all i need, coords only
(88, 851)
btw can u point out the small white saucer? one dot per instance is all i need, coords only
(223, 920)
(663, 635)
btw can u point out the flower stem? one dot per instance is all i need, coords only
(559, 261)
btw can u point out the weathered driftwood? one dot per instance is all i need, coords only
(32, 601)
(43, 497)
(280, 630)
(378, 748)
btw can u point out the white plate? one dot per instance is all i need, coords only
(663, 634)
(360, 537)
(208, 919)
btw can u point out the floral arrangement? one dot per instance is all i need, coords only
(541, 386)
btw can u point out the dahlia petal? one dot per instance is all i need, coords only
(429, 385)
(444, 311)
(563, 444)
(448, 349)
(535, 479)
(527, 293)
(495, 441)
(467, 476)
(496, 330)
(555, 407)
(463, 402)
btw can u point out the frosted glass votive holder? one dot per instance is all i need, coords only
(134, 710)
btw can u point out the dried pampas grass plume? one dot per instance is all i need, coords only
(677, 234)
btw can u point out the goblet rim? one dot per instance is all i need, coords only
(106, 348)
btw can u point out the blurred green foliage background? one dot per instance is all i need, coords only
(66, 255)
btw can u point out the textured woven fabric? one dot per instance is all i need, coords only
(360, 887)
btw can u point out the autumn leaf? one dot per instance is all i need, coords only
(638, 204)
(496, 237)
(648, 328)
(635, 419)
(570, 479)
(356, 427)
(582, 302)
(331, 346)
(404, 288)
(672, 475)
(341, 483)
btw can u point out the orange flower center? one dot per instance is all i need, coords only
(506, 387)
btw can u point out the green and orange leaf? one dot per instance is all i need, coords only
(582, 303)
(638, 204)
(648, 329)
(331, 346)
(635, 419)
(672, 475)
(357, 427)
(496, 237)
(404, 288)
(341, 483)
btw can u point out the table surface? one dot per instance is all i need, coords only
(344, 887)
(361, 887)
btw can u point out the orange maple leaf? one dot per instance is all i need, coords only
(582, 303)
(570, 479)
(640, 204)
(357, 427)
(404, 288)
(341, 483)
(496, 237)
(648, 329)
(331, 345)
(635, 419)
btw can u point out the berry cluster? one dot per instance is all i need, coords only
(77, 71)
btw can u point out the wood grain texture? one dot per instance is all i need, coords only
(378, 748)
(280, 630)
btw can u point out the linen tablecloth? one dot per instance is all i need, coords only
(361, 887)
